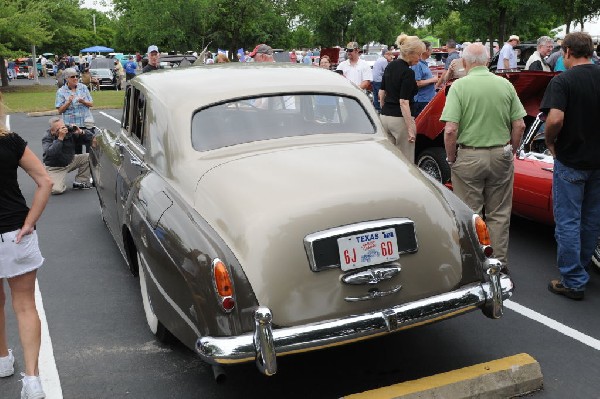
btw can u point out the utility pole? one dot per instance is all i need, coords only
(94, 19)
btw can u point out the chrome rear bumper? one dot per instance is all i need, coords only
(266, 343)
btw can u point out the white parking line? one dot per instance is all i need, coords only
(110, 117)
(47, 364)
(553, 324)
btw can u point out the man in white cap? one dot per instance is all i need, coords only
(507, 59)
(153, 59)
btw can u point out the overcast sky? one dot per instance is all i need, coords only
(97, 4)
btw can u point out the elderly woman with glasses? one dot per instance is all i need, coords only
(398, 89)
(73, 100)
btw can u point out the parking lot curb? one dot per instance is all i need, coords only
(502, 378)
(43, 113)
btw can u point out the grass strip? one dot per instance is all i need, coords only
(38, 98)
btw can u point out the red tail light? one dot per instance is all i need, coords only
(223, 285)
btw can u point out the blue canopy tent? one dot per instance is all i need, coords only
(97, 49)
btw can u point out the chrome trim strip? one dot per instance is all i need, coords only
(349, 230)
(244, 348)
(373, 293)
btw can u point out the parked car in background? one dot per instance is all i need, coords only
(523, 52)
(49, 66)
(22, 68)
(172, 60)
(106, 78)
(103, 69)
(123, 58)
(369, 58)
(270, 215)
(532, 190)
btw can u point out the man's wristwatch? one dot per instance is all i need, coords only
(449, 162)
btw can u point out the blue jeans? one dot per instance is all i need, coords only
(376, 86)
(576, 200)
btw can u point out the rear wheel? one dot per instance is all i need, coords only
(158, 329)
(433, 162)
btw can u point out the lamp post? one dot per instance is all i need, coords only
(94, 19)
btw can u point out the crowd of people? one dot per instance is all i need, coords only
(483, 127)
(482, 134)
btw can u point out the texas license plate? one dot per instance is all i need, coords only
(366, 249)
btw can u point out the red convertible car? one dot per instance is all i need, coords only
(532, 196)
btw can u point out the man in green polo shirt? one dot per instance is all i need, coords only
(484, 125)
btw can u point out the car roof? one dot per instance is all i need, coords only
(221, 82)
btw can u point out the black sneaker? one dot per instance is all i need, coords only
(81, 186)
(556, 287)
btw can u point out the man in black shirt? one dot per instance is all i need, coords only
(153, 59)
(571, 102)
(59, 146)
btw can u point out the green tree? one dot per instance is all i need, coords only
(22, 24)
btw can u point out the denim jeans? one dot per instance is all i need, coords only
(576, 200)
(376, 86)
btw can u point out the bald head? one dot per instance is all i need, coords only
(475, 55)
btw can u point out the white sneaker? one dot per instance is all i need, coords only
(7, 365)
(32, 387)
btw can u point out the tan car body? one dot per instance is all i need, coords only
(256, 206)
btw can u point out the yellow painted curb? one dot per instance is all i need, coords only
(502, 378)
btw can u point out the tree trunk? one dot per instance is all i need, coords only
(3, 73)
(502, 25)
(569, 8)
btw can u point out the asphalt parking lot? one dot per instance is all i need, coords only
(98, 344)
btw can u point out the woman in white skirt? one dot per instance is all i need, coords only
(19, 253)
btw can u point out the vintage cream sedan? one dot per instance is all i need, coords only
(267, 214)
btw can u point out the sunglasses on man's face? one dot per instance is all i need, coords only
(350, 50)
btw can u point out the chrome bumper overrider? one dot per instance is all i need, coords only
(266, 343)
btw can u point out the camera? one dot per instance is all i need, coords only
(71, 129)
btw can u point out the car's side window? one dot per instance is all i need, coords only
(125, 115)
(137, 111)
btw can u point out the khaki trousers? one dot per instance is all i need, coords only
(397, 133)
(483, 179)
(58, 174)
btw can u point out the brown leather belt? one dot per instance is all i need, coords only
(468, 147)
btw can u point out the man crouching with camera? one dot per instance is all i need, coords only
(59, 145)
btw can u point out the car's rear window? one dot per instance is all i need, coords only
(272, 117)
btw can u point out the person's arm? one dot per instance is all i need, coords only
(408, 119)
(450, 137)
(34, 168)
(52, 145)
(85, 102)
(506, 63)
(516, 133)
(426, 82)
(65, 105)
(86, 99)
(381, 94)
(536, 66)
(554, 124)
(367, 76)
